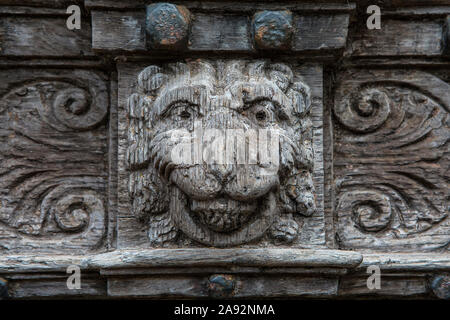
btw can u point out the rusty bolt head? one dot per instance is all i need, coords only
(3, 289)
(221, 286)
(441, 286)
(272, 29)
(167, 26)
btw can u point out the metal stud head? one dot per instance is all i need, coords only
(272, 30)
(167, 26)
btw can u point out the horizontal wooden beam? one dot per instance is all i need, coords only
(224, 257)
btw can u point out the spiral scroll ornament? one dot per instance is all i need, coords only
(73, 108)
(370, 210)
(73, 209)
(52, 160)
(364, 112)
(76, 108)
(391, 160)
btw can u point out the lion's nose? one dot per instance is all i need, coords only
(222, 171)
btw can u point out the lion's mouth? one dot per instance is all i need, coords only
(223, 214)
(224, 220)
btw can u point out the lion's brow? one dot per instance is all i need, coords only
(192, 94)
(254, 92)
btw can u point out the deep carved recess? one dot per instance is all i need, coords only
(52, 161)
(392, 160)
(211, 109)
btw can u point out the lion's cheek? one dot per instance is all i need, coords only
(196, 183)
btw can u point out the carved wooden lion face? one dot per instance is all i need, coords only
(221, 151)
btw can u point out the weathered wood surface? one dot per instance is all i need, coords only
(436, 12)
(131, 231)
(37, 263)
(49, 36)
(55, 286)
(446, 36)
(43, 3)
(400, 38)
(391, 161)
(211, 31)
(395, 287)
(380, 101)
(186, 272)
(246, 287)
(160, 262)
(132, 272)
(118, 30)
(111, 237)
(320, 32)
(221, 257)
(218, 32)
(407, 262)
(53, 160)
(231, 6)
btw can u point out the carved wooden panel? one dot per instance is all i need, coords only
(392, 160)
(284, 206)
(53, 160)
(224, 149)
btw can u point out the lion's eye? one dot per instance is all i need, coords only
(185, 114)
(261, 115)
(261, 112)
(183, 111)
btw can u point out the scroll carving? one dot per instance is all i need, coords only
(217, 195)
(52, 162)
(391, 161)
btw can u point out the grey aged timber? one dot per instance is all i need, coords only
(106, 160)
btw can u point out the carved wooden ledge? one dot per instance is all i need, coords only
(225, 257)
(183, 258)
(183, 273)
(226, 273)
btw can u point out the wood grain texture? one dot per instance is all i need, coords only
(391, 161)
(352, 287)
(407, 262)
(34, 263)
(312, 233)
(446, 36)
(400, 37)
(380, 138)
(43, 3)
(131, 272)
(232, 6)
(320, 32)
(111, 237)
(55, 287)
(221, 257)
(53, 160)
(212, 31)
(246, 287)
(220, 33)
(118, 30)
(34, 36)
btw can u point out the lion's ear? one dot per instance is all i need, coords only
(149, 195)
(280, 74)
(139, 116)
(140, 104)
(139, 131)
(151, 79)
(301, 95)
